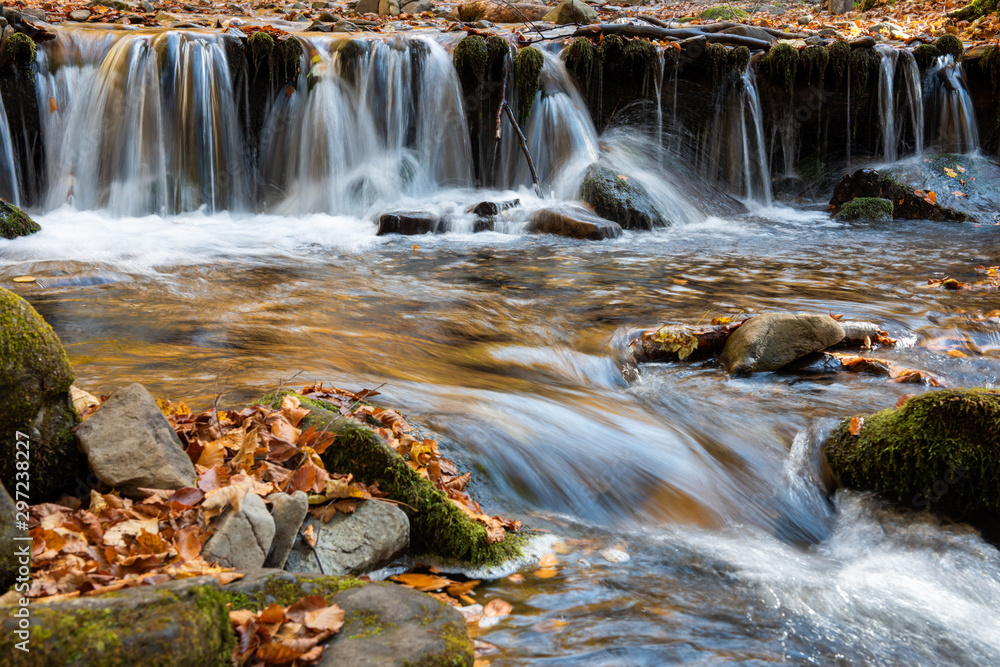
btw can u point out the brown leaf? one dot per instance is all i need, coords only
(274, 613)
(330, 619)
(297, 612)
(856, 424)
(290, 407)
(497, 608)
(187, 543)
(423, 582)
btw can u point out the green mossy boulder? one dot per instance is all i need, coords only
(780, 64)
(724, 13)
(438, 528)
(866, 208)
(184, 622)
(940, 450)
(925, 54)
(907, 205)
(527, 79)
(949, 45)
(621, 199)
(14, 222)
(35, 378)
(20, 49)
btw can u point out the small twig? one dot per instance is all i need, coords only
(396, 502)
(524, 146)
(218, 396)
(315, 553)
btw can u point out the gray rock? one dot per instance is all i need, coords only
(344, 26)
(769, 342)
(298, 5)
(373, 536)
(242, 539)
(388, 7)
(289, 512)
(855, 332)
(80, 15)
(367, 7)
(163, 17)
(574, 222)
(10, 560)
(147, 6)
(320, 5)
(129, 444)
(483, 24)
(418, 7)
(749, 31)
(33, 14)
(804, 20)
(182, 622)
(410, 223)
(572, 11)
(327, 17)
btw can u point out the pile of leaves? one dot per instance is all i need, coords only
(875, 366)
(990, 281)
(280, 635)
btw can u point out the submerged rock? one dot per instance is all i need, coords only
(907, 205)
(410, 223)
(14, 222)
(35, 380)
(130, 445)
(866, 208)
(771, 341)
(487, 212)
(574, 222)
(617, 197)
(940, 450)
(572, 11)
(370, 538)
(182, 622)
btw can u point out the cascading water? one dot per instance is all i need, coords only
(370, 122)
(152, 128)
(10, 189)
(951, 115)
(887, 102)
(914, 100)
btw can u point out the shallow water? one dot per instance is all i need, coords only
(512, 347)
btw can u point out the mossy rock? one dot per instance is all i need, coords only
(527, 78)
(870, 183)
(724, 13)
(470, 57)
(866, 208)
(35, 378)
(814, 60)
(840, 55)
(716, 58)
(925, 54)
(260, 45)
(14, 222)
(780, 64)
(949, 45)
(865, 66)
(974, 10)
(610, 49)
(261, 588)
(580, 57)
(940, 450)
(438, 528)
(183, 622)
(20, 49)
(738, 60)
(621, 199)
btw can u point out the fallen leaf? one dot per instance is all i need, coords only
(497, 608)
(423, 582)
(856, 424)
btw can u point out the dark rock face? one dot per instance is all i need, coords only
(616, 197)
(940, 450)
(410, 223)
(769, 342)
(574, 222)
(907, 205)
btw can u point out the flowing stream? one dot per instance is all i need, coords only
(513, 346)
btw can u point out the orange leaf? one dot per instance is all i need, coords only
(498, 608)
(423, 582)
(330, 619)
(856, 424)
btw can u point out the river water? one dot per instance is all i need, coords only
(512, 347)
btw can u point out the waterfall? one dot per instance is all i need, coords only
(950, 112)
(9, 187)
(752, 103)
(371, 121)
(152, 128)
(914, 99)
(887, 102)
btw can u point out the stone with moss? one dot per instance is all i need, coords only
(610, 49)
(35, 378)
(865, 66)
(925, 55)
(907, 205)
(840, 55)
(724, 13)
(183, 622)
(813, 61)
(716, 59)
(580, 57)
(989, 64)
(620, 198)
(939, 450)
(14, 222)
(260, 45)
(20, 49)
(470, 57)
(866, 208)
(738, 60)
(527, 78)
(780, 64)
(438, 528)
(974, 10)
(572, 12)
(949, 45)
(261, 588)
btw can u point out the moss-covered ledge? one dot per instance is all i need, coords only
(939, 450)
(438, 528)
(14, 222)
(182, 622)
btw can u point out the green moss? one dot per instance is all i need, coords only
(925, 54)
(527, 78)
(287, 593)
(287, 60)
(470, 57)
(458, 652)
(610, 49)
(866, 208)
(371, 624)
(20, 49)
(840, 54)
(780, 64)
(260, 45)
(14, 222)
(814, 60)
(865, 64)
(716, 58)
(438, 528)
(724, 13)
(949, 45)
(939, 450)
(738, 60)
(975, 9)
(621, 199)
(989, 64)
(580, 57)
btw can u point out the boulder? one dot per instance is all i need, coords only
(572, 11)
(769, 342)
(749, 31)
(36, 410)
(385, 624)
(516, 12)
(344, 26)
(410, 223)
(870, 183)
(370, 538)
(418, 7)
(13, 539)
(616, 197)
(574, 222)
(866, 208)
(367, 7)
(388, 7)
(14, 222)
(242, 539)
(80, 15)
(327, 17)
(487, 212)
(288, 512)
(183, 622)
(939, 450)
(129, 445)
